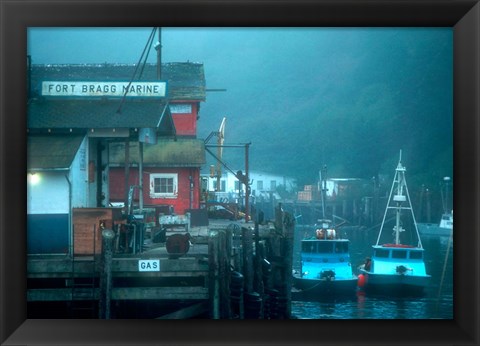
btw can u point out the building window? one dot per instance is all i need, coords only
(260, 185)
(163, 185)
(273, 185)
(223, 185)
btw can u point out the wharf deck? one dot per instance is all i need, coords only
(184, 278)
(156, 283)
(51, 277)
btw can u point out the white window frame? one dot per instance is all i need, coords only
(260, 185)
(223, 185)
(273, 185)
(170, 194)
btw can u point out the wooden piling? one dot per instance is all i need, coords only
(213, 286)
(279, 249)
(258, 285)
(108, 237)
(224, 276)
(247, 246)
(258, 273)
(288, 234)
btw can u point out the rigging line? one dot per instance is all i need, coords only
(149, 44)
(444, 266)
(119, 110)
(313, 287)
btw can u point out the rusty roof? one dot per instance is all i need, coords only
(52, 152)
(183, 152)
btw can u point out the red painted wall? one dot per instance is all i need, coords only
(186, 123)
(180, 203)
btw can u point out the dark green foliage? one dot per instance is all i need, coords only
(353, 106)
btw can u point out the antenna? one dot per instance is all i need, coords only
(323, 186)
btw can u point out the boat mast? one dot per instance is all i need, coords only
(445, 198)
(323, 187)
(401, 196)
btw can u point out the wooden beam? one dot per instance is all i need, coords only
(124, 293)
(121, 267)
(159, 293)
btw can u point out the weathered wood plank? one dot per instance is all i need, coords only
(124, 293)
(160, 293)
(128, 267)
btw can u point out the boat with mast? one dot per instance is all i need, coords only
(396, 267)
(326, 268)
(445, 226)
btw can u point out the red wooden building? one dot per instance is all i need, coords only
(171, 173)
(171, 167)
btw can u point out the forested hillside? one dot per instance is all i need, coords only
(353, 105)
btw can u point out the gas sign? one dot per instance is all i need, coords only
(149, 265)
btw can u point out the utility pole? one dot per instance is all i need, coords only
(247, 185)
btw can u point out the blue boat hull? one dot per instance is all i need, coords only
(395, 284)
(321, 288)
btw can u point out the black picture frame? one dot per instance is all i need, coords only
(17, 16)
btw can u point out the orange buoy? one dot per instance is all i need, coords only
(361, 281)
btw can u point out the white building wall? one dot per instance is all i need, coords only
(47, 193)
(79, 177)
(231, 185)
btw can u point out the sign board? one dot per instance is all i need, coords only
(147, 135)
(149, 265)
(104, 89)
(180, 108)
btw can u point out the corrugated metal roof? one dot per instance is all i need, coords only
(51, 152)
(98, 114)
(186, 81)
(166, 153)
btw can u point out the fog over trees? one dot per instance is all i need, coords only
(350, 98)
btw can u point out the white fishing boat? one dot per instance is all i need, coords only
(396, 267)
(326, 268)
(445, 226)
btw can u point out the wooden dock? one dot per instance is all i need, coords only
(232, 270)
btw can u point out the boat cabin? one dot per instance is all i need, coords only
(447, 220)
(326, 259)
(324, 247)
(398, 259)
(398, 253)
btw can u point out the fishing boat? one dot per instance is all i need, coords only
(326, 269)
(445, 226)
(396, 267)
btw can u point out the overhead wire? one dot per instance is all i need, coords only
(146, 49)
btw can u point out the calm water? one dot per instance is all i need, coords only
(436, 303)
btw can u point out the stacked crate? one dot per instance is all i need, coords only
(309, 193)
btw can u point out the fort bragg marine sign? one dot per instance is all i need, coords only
(104, 89)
